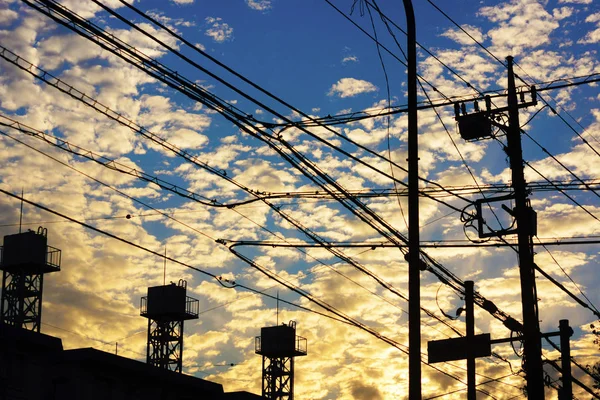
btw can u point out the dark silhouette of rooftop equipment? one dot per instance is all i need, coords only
(478, 125)
(166, 307)
(25, 259)
(278, 345)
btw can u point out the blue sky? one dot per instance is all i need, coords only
(310, 56)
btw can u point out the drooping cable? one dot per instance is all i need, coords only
(306, 169)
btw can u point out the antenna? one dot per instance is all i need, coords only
(277, 307)
(165, 267)
(21, 215)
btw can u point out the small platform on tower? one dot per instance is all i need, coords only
(29, 253)
(280, 341)
(169, 302)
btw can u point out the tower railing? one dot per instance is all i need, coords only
(192, 306)
(53, 257)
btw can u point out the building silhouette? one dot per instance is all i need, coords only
(34, 366)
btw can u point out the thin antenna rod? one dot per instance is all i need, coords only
(21, 215)
(277, 308)
(165, 267)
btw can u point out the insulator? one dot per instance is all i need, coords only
(522, 95)
(456, 110)
(488, 103)
(513, 324)
(463, 108)
(476, 106)
(489, 307)
(422, 264)
(533, 93)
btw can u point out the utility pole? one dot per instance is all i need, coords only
(478, 126)
(470, 322)
(523, 215)
(414, 267)
(566, 392)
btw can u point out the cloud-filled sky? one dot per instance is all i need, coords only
(214, 127)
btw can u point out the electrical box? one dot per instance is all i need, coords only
(474, 126)
(532, 216)
(26, 252)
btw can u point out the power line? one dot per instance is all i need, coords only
(56, 160)
(305, 169)
(89, 155)
(595, 309)
(218, 278)
(235, 89)
(592, 308)
(62, 86)
(322, 304)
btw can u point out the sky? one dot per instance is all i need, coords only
(293, 61)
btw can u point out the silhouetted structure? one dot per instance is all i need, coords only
(166, 307)
(25, 259)
(278, 345)
(34, 366)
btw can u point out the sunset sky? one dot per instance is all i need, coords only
(274, 62)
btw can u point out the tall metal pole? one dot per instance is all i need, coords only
(414, 288)
(532, 338)
(470, 316)
(566, 392)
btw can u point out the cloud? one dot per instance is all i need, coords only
(219, 31)
(521, 25)
(364, 392)
(7, 15)
(96, 295)
(183, 1)
(592, 36)
(460, 37)
(350, 87)
(348, 59)
(259, 5)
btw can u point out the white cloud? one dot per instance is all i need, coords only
(219, 31)
(350, 87)
(259, 5)
(182, 1)
(593, 17)
(522, 24)
(562, 12)
(575, 1)
(7, 15)
(81, 300)
(460, 37)
(592, 36)
(350, 59)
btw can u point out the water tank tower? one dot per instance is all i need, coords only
(166, 308)
(278, 346)
(24, 260)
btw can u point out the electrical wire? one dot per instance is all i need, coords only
(123, 120)
(592, 307)
(88, 154)
(322, 304)
(218, 278)
(235, 89)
